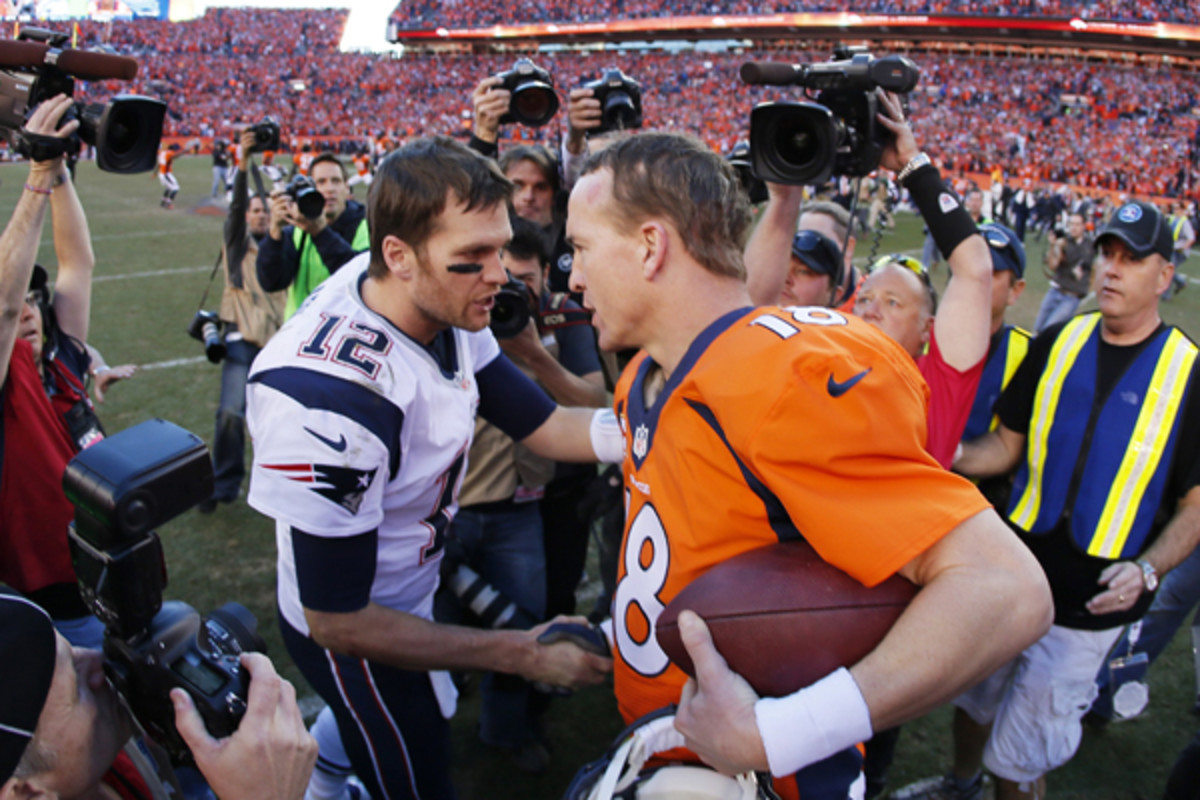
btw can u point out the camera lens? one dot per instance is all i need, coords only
(619, 111)
(793, 143)
(533, 105)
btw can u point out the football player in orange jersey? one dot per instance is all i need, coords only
(745, 426)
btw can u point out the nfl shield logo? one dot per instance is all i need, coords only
(641, 441)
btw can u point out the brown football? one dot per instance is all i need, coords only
(783, 618)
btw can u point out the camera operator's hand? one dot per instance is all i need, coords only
(310, 226)
(246, 143)
(525, 346)
(44, 122)
(583, 114)
(903, 146)
(564, 663)
(271, 754)
(281, 212)
(490, 103)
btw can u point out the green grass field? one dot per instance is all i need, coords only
(153, 266)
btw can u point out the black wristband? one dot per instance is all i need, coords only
(948, 222)
(489, 149)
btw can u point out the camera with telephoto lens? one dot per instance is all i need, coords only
(122, 487)
(206, 328)
(513, 308)
(808, 143)
(304, 193)
(620, 99)
(534, 101)
(125, 132)
(266, 135)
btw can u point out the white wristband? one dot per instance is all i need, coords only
(607, 441)
(813, 723)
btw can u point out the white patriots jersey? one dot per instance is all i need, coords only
(356, 426)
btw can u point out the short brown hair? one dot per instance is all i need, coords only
(536, 154)
(836, 212)
(328, 157)
(411, 186)
(678, 177)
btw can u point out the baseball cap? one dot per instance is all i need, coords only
(1143, 229)
(1005, 246)
(28, 651)
(820, 253)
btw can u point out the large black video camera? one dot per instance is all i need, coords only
(807, 143)
(37, 66)
(534, 101)
(620, 99)
(122, 487)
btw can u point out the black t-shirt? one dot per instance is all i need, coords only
(1072, 573)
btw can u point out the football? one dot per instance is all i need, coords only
(783, 618)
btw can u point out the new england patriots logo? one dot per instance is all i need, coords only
(340, 485)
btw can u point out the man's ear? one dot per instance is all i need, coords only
(26, 789)
(655, 243)
(401, 260)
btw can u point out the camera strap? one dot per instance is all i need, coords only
(38, 147)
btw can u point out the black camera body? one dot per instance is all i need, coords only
(205, 327)
(740, 158)
(266, 135)
(305, 194)
(620, 99)
(126, 131)
(810, 142)
(122, 487)
(515, 305)
(534, 101)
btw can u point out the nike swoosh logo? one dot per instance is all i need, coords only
(839, 388)
(339, 445)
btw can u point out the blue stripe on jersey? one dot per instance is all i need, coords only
(511, 401)
(327, 393)
(777, 514)
(335, 574)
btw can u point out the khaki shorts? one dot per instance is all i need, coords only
(1036, 702)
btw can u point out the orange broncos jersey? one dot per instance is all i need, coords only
(777, 424)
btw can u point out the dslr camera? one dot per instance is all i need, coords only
(266, 135)
(838, 134)
(125, 132)
(122, 487)
(620, 99)
(206, 328)
(514, 306)
(534, 101)
(304, 193)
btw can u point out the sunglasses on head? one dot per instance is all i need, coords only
(908, 262)
(813, 242)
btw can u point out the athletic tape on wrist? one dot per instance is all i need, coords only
(812, 724)
(948, 222)
(605, 433)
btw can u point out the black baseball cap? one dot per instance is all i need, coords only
(28, 653)
(1005, 246)
(820, 253)
(1143, 229)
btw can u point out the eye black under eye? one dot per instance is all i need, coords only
(465, 269)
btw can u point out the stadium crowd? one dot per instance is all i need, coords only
(425, 14)
(1101, 126)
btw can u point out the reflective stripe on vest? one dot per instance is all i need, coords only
(999, 370)
(1109, 462)
(1176, 227)
(312, 272)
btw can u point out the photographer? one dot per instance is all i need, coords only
(299, 253)
(65, 733)
(251, 316)
(47, 417)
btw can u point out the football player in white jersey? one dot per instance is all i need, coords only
(362, 409)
